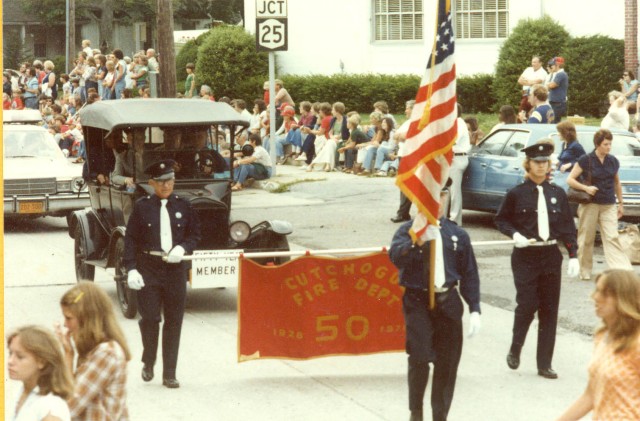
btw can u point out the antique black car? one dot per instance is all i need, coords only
(122, 138)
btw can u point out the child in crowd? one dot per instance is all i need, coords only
(6, 101)
(36, 359)
(16, 100)
(101, 371)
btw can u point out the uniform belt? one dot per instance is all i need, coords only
(544, 243)
(460, 154)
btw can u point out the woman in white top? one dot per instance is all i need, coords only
(618, 116)
(36, 359)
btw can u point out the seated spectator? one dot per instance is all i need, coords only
(207, 93)
(258, 116)
(507, 115)
(475, 133)
(383, 108)
(284, 135)
(618, 116)
(371, 132)
(257, 165)
(356, 137)
(338, 130)
(383, 139)
(571, 148)
(309, 123)
(324, 147)
(390, 167)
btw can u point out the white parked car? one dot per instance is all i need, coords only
(38, 179)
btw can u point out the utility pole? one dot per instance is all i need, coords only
(166, 50)
(71, 41)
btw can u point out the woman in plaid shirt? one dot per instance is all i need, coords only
(101, 371)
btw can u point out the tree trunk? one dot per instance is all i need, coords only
(166, 51)
(105, 25)
(72, 34)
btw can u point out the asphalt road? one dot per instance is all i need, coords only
(338, 211)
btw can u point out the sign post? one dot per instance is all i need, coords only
(271, 35)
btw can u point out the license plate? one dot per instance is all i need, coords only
(214, 271)
(30, 207)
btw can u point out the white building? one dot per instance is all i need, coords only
(395, 36)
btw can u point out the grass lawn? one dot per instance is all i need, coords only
(486, 121)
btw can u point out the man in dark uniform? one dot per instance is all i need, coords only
(161, 224)
(536, 215)
(435, 335)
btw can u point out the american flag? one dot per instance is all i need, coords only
(425, 166)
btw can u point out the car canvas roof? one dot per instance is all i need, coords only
(159, 112)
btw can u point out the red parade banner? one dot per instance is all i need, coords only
(319, 306)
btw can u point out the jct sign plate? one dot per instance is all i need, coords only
(271, 25)
(318, 306)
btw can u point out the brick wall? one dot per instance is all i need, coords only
(631, 35)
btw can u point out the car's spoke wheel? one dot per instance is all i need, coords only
(84, 272)
(126, 296)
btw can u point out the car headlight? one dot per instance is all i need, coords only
(63, 185)
(239, 231)
(78, 185)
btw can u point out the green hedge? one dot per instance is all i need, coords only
(594, 65)
(475, 93)
(228, 62)
(543, 37)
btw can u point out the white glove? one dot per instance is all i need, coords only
(134, 280)
(175, 255)
(521, 240)
(474, 324)
(574, 268)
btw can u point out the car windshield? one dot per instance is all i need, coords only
(30, 144)
(621, 145)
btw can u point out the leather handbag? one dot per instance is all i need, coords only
(580, 196)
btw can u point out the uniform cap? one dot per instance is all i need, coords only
(539, 151)
(161, 170)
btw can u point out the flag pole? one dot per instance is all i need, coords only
(432, 274)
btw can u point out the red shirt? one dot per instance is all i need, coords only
(324, 125)
(266, 96)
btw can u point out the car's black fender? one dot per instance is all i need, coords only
(268, 236)
(96, 237)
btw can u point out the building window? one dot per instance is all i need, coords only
(396, 20)
(478, 19)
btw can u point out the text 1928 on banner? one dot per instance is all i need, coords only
(319, 306)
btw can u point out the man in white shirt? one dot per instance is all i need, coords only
(531, 76)
(460, 162)
(400, 136)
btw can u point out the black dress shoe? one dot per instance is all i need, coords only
(171, 383)
(397, 219)
(547, 373)
(147, 373)
(513, 361)
(416, 415)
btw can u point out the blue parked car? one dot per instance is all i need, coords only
(495, 164)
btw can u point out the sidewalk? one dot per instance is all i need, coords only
(287, 174)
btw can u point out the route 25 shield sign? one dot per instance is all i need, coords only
(271, 25)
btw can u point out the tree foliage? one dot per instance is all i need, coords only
(594, 65)
(228, 11)
(543, 37)
(188, 54)
(228, 62)
(14, 52)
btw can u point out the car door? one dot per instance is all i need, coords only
(506, 171)
(481, 159)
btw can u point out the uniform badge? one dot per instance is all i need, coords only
(540, 147)
(162, 166)
(554, 200)
(455, 242)
(178, 215)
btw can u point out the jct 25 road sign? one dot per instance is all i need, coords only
(271, 25)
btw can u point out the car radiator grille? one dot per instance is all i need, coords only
(31, 186)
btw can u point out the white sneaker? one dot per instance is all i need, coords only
(304, 167)
(302, 157)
